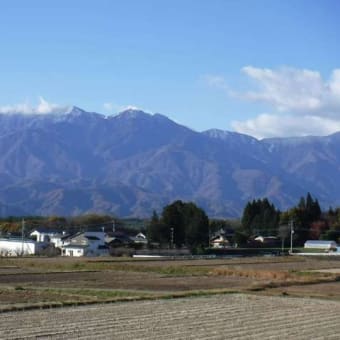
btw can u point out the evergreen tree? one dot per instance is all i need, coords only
(303, 215)
(260, 217)
(157, 232)
(302, 203)
(196, 226)
(190, 224)
(173, 218)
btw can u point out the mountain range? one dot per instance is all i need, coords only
(133, 163)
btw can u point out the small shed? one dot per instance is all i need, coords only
(324, 245)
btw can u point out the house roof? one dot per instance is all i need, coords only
(70, 237)
(94, 238)
(320, 242)
(61, 236)
(84, 234)
(118, 234)
(45, 230)
(218, 238)
(266, 238)
(140, 235)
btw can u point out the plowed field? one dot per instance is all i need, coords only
(214, 317)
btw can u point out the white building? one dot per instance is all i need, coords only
(140, 238)
(325, 245)
(75, 250)
(18, 247)
(43, 234)
(58, 239)
(89, 243)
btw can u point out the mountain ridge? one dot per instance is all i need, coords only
(133, 162)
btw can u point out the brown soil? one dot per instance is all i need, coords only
(240, 274)
(34, 296)
(123, 280)
(329, 290)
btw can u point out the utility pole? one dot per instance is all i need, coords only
(209, 236)
(22, 236)
(113, 226)
(291, 235)
(171, 238)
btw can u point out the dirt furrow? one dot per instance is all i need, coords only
(215, 317)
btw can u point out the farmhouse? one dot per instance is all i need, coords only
(85, 244)
(325, 245)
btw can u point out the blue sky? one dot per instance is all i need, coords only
(266, 68)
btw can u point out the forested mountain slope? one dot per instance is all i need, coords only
(134, 162)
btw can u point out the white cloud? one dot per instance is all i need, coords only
(43, 107)
(295, 90)
(272, 125)
(302, 101)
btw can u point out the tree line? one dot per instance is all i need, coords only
(189, 226)
(184, 224)
(260, 217)
(12, 225)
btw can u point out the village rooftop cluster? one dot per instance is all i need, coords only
(44, 241)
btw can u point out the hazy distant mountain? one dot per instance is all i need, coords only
(129, 164)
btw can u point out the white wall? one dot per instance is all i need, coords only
(75, 252)
(320, 245)
(10, 247)
(57, 241)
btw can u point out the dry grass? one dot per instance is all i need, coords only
(305, 277)
(253, 274)
(83, 280)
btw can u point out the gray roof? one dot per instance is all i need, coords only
(45, 230)
(321, 242)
